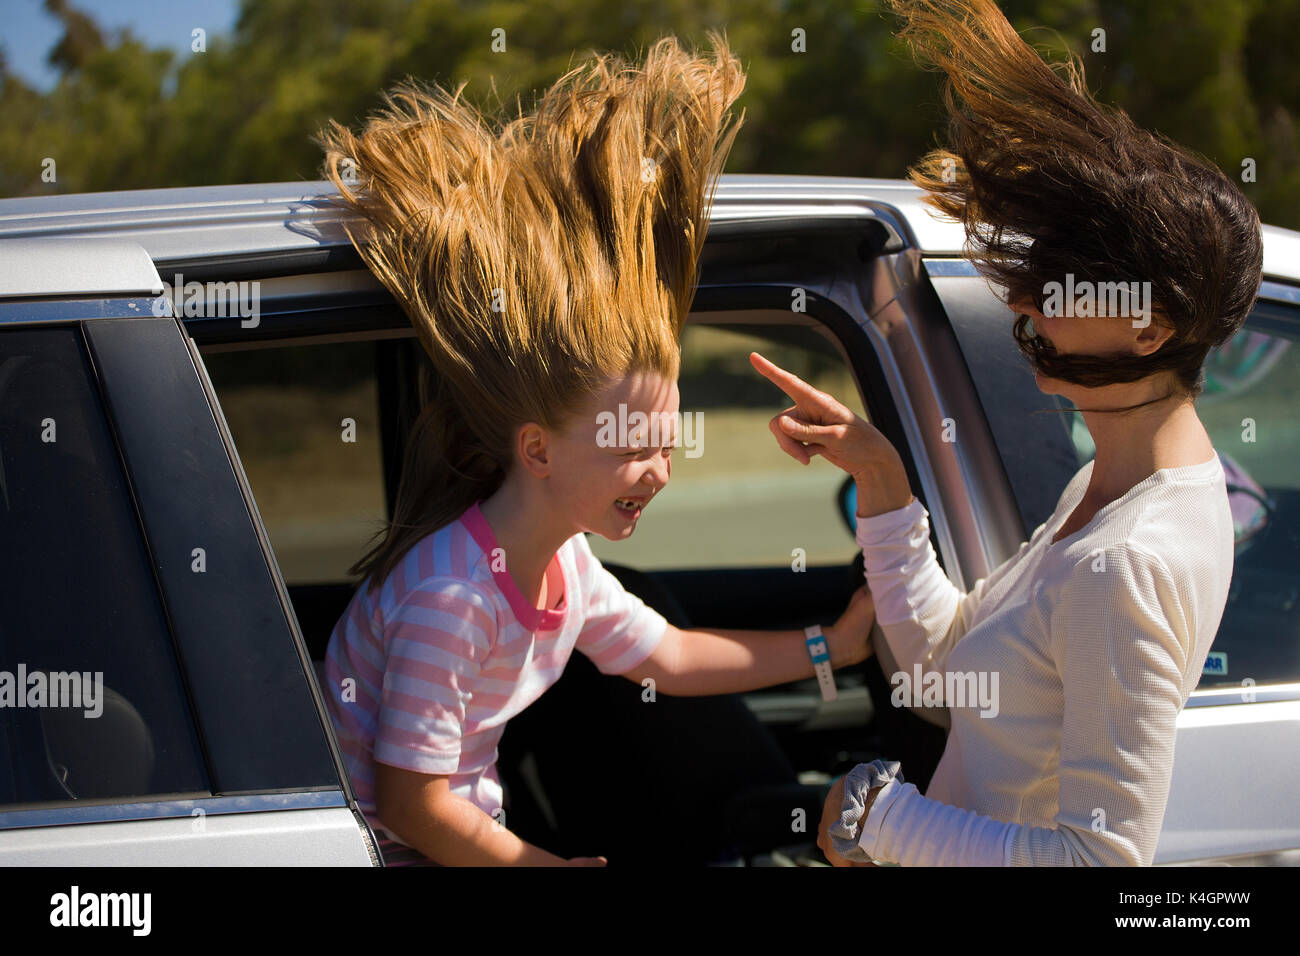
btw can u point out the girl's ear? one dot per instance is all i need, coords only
(533, 445)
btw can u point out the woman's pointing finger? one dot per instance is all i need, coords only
(818, 407)
(796, 388)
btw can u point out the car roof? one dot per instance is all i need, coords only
(199, 223)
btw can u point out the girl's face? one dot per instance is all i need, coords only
(616, 455)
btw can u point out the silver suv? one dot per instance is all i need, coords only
(204, 401)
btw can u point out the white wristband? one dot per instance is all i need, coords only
(821, 659)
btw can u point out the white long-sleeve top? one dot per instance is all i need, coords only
(1096, 642)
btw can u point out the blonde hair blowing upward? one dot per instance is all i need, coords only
(537, 263)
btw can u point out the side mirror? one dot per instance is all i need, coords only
(847, 498)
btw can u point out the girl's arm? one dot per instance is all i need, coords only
(725, 661)
(448, 829)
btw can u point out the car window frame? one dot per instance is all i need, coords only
(234, 789)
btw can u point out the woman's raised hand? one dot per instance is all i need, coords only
(819, 424)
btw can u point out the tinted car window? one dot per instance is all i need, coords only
(1252, 390)
(91, 700)
(1037, 450)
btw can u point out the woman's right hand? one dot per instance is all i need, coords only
(819, 424)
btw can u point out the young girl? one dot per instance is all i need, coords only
(548, 271)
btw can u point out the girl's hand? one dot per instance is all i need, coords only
(849, 638)
(587, 861)
(818, 424)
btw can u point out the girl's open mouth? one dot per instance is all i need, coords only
(631, 507)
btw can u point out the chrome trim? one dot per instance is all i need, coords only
(1281, 252)
(898, 381)
(1263, 858)
(949, 267)
(367, 836)
(118, 812)
(1220, 696)
(46, 311)
(974, 515)
(358, 283)
(1279, 292)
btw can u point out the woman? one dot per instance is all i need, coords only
(1098, 628)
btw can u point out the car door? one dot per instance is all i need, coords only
(339, 367)
(1236, 769)
(158, 707)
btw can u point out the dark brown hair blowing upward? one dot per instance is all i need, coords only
(1048, 182)
(539, 261)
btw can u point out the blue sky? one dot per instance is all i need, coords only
(28, 33)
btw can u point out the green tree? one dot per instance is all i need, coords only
(829, 89)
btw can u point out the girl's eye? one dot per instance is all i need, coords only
(667, 450)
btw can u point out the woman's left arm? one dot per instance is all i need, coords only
(1122, 645)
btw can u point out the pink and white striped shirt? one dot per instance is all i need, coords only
(448, 649)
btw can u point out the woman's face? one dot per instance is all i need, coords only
(616, 452)
(1078, 335)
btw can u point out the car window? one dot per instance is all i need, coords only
(735, 499)
(305, 422)
(1036, 450)
(1252, 389)
(92, 705)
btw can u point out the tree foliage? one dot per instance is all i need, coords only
(830, 91)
